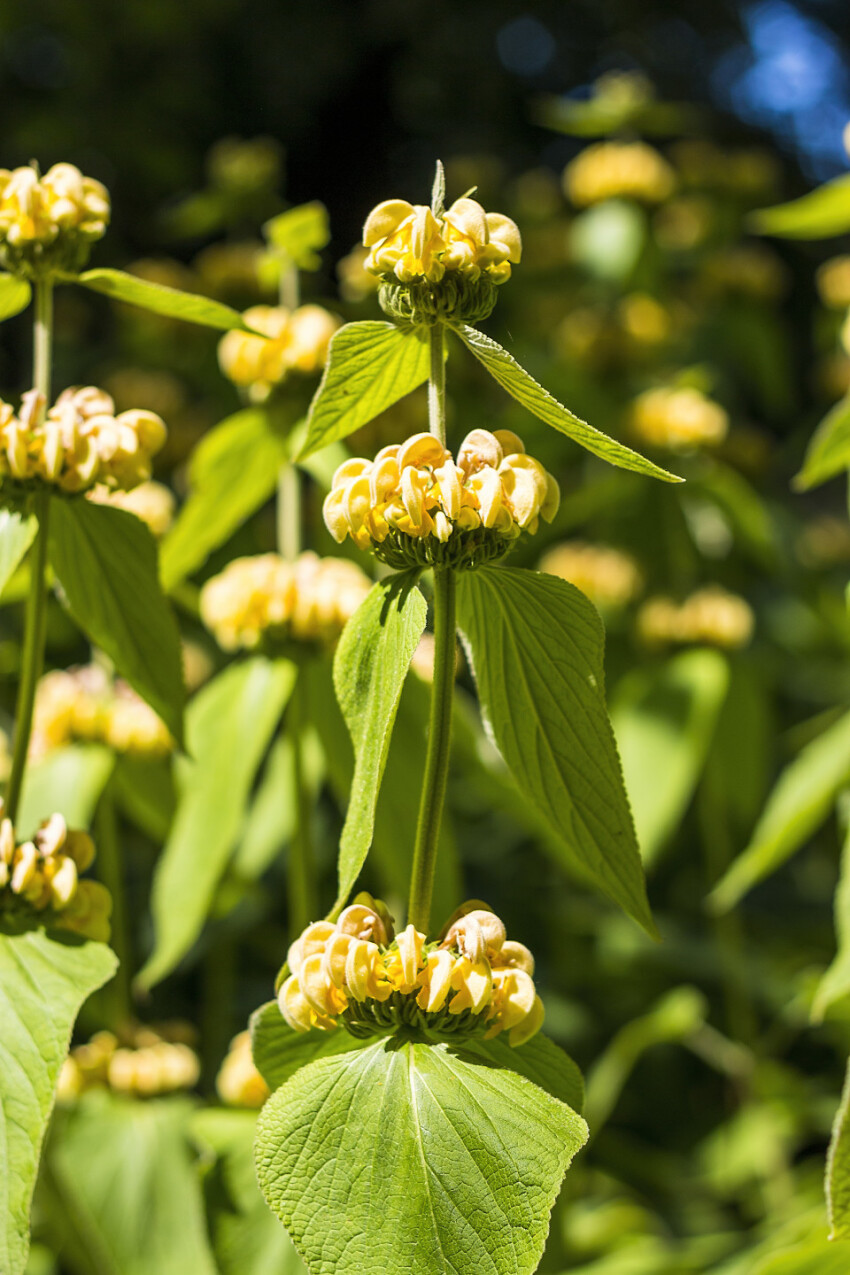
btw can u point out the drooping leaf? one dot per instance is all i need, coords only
(828, 452)
(835, 984)
(44, 979)
(279, 1051)
(233, 473)
(820, 214)
(664, 720)
(504, 368)
(67, 781)
(246, 1237)
(17, 532)
(228, 728)
(535, 645)
(106, 562)
(15, 295)
(300, 233)
(838, 1169)
(370, 366)
(370, 666)
(470, 1160)
(800, 801)
(125, 1193)
(160, 299)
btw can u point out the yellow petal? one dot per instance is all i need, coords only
(421, 449)
(529, 1026)
(478, 449)
(354, 468)
(385, 219)
(511, 443)
(504, 235)
(467, 216)
(436, 981)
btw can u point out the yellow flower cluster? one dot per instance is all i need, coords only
(309, 600)
(618, 170)
(293, 341)
(79, 443)
(44, 874)
(48, 222)
(711, 615)
(679, 418)
(84, 704)
(609, 577)
(415, 505)
(153, 502)
(408, 242)
(238, 1083)
(142, 1062)
(355, 974)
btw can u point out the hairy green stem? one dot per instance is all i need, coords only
(32, 657)
(111, 873)
(437, 385)
(437, 756)
(302, 887)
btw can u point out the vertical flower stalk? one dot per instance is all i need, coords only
(32, 657)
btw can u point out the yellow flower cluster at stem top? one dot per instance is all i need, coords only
(62, 209)
(294, 341)
(618, 170)
(44, 874)
(79, 443)
(678, 417)
(356, 974)
(238, 1082)
(308, 600)
(710, 615)
(408, 242)
(609, 577)
(85, 704)
(418, 491)
(141, 1061)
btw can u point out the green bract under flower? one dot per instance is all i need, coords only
(415, 506)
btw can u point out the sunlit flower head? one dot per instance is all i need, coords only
(47, 223)
(86, 705)
(415, 504)
(308, 600)
(358, 975)
(238, 1082)
(609, 577)
(679, 418)
(41, 877)
(711, 616)
(138, 1062)
(618, 170)
(294, 341)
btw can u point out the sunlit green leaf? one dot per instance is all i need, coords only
(838, 1169)
(828, 452)
(817, 215)
(802, 798)
(229, 724)
(106, 562)
(17, 532)
(15, 295)
(370, 666)
(233, 472)
(812, 1257)
(66, 780)
(470, 1160)
(370, 366)
(535, 644)
(504, 368)
(160, 299)
(44, 980)
(664, 719)
(125, 1196)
